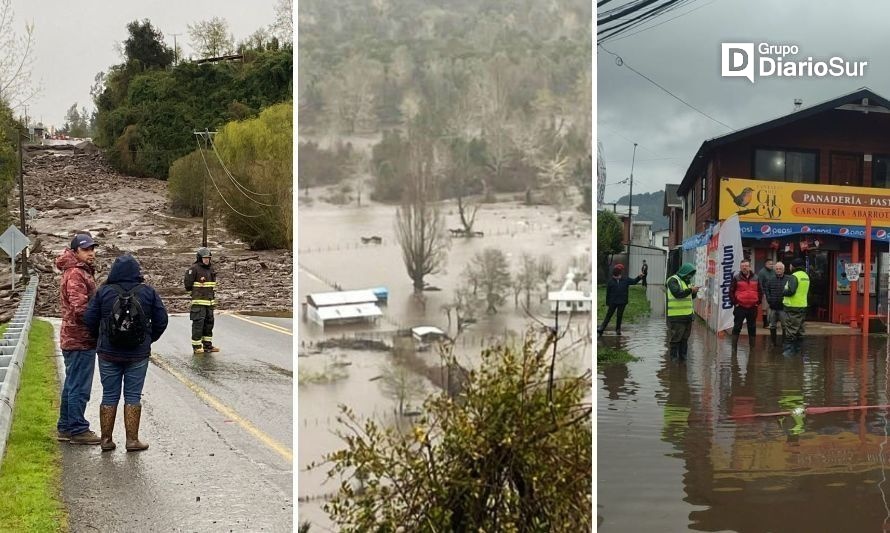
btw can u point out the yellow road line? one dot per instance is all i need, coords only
(266, 325)
(226, 411)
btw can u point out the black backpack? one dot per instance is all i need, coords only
(127, 325)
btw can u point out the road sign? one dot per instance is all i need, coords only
(13, 241)
(853, 270)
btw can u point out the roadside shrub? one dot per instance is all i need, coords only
(185, 187)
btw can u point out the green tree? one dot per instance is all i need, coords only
(145, 48)
(608, 238)
(211, 38)
(512, 453)
(254, 194)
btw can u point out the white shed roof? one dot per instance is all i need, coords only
(343, 312)
(324, 299)
(420, 331)
(568, 296)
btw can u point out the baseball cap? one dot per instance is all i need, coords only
(619, 266)
(82, 240)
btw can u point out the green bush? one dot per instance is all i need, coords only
(186, 184)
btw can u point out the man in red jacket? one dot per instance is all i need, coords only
(745, 293)
(78, 344)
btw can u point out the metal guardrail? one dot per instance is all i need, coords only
(13, 347)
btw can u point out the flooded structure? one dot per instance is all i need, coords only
(803, 186)
(342, 307)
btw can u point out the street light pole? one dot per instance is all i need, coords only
(630, 209)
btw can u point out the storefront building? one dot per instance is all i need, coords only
(803, 185)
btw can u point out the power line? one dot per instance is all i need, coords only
(620, 62)
(621, 11)
(238, 185)
(627, 24)
(206, 166)
(663, 22)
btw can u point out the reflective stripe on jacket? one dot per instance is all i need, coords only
(200, 279)
(679, 306)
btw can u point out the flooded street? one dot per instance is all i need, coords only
(330, 252)
(670, 456)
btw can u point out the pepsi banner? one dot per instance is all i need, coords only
(774, 230)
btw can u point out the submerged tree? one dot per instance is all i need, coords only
(511, 453)
(420, 226)
(490, 271)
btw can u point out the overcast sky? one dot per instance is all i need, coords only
(76, 40)
(683, 55)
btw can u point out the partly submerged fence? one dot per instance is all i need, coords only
(13, 347)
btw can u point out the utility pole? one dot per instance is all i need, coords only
(175, 49)
(630, 209)
(22, 207)
(206, 136)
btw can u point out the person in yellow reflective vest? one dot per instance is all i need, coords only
(200, 279)
(680, 293)
(797, 288)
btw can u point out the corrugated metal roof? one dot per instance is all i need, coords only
(325, 299)
(344, 312)
(568, 296)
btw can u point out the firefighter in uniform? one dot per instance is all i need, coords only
(200, 279)
(680, 293)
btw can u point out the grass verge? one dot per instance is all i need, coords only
(637, 303)
(608, 355)
(31, 472)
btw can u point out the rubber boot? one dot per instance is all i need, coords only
(684, 347)
(675, 351)
(787, 347)
(107, 413)
(773, 337)
(132, 415)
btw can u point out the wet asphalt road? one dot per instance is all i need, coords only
(220, 430)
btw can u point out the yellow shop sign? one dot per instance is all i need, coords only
(773, 201)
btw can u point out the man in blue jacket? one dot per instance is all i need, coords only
(616, 297)
(123, 349)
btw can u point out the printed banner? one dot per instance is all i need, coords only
(780, 229)
(729, 258)
(771, 201)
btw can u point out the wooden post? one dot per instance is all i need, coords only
(866, 296)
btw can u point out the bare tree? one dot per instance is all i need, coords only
(490, 266)
(401, 385)
(420, 226)
(464, 307)
(211, 38)
(16, 60)
(283, 27)
(528, 276)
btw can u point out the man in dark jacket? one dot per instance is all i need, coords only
(617, 290)
(78, 344)
(200, 279)
(680, 294)
(120, 362)
(774, 292)
(644, 271)
(763, 276)
(745, 293)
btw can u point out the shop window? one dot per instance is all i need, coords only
(664, 241)
(785, 165)
(880, 167)
(704, 190)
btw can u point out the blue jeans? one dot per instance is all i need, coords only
(79, 368)
(131, 374)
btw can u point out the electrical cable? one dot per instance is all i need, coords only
(664, 21)
(231, 177)
(206, 166)
(620, 62)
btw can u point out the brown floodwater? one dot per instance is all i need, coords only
(330, 251)
(671, 457)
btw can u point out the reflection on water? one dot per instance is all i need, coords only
(674, 440)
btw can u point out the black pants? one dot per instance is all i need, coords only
(742, 314)
(644, 280)
(202, 325)
(609, 313)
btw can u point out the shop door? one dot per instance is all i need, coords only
(819, 299)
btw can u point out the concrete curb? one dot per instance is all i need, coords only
(13, 347)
